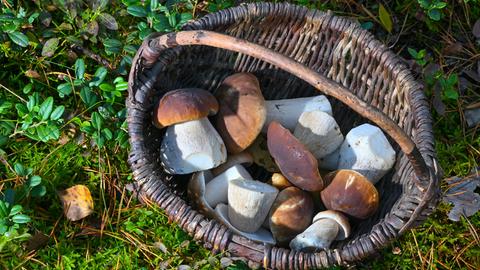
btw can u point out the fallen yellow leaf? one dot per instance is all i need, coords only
(77, 202)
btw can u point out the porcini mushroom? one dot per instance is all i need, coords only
(291, 213)
(351, 193)
(190, 143)
(327, 226)
(367, 150)
(319, 132)
(216, 191)
(279, 181)
(249, 202)
(244, 158)
(330, 161)
(287, 111)
(296, 163)
(196, 192)
(261, 235)
(242, 111)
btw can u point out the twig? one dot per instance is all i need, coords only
(92, 55)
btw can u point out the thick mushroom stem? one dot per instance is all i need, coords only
(216, 191)
(249, 203)
(316, 237)
(287, 111)
(367, 151)
(243, 158)
(192, 146)
(319, 132)
(196, 192)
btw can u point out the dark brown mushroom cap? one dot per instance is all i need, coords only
(296, 163)
(291, 214)
(242, 111)
(351, 193)
(183, 105)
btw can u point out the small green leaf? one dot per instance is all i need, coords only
(3, 209)
(385, 18)
(19, 38)
(112, 45)
(30, 103)
(87, 96)
(49, 47)
(64, 89)
(57, 113)
(38, 191)
(34, 181)
(21, 219)
(107, 87)
(107, 133)
(137, 11)
(15, 210)
(79, 68)
(19, 169)
(440, 5)
(434, 14)
(96, 120)
(99, 76)
(46, 108)
(122, 86)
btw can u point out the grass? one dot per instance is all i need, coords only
(91, 147)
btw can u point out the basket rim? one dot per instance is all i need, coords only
(199, 226)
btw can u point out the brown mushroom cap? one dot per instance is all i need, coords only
(351, 193)
(296, 163)
(291, 214)
(183, 105)
(242, 111)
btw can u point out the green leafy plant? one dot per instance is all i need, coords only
(419, 56)
(39, 119)
(433, 8)
(11, 22)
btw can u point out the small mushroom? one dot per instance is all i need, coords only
(249, 202)
(287, 111)
(367, 150)
(261, 235)
(296, 163)
(351, 193)
(242, 111)
(216, 191)
(327, 226)
(190, 143)
(196, 192)
(319, 132)
(291, 213)
(243, 158)
(279, 181)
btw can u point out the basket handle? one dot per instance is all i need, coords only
(317, 80)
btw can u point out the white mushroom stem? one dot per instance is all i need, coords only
(319, 132)
(249, 203)
(342, 221)
(196, 192)
(243, 158)
(367, 151)
(287, 111)
(192, 146)
(216, 191)
(316, 237)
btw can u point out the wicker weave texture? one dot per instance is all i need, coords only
(334, 46)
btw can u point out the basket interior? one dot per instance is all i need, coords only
(324, 47)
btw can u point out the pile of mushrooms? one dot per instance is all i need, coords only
(318, 179)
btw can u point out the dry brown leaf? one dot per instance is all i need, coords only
(77, 202)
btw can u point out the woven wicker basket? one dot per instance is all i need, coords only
(294, 52)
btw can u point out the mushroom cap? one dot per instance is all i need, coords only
(351, 193)
(291, 214)
(184, 105)
(242, 111)
(296, 163)
(342, 221)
